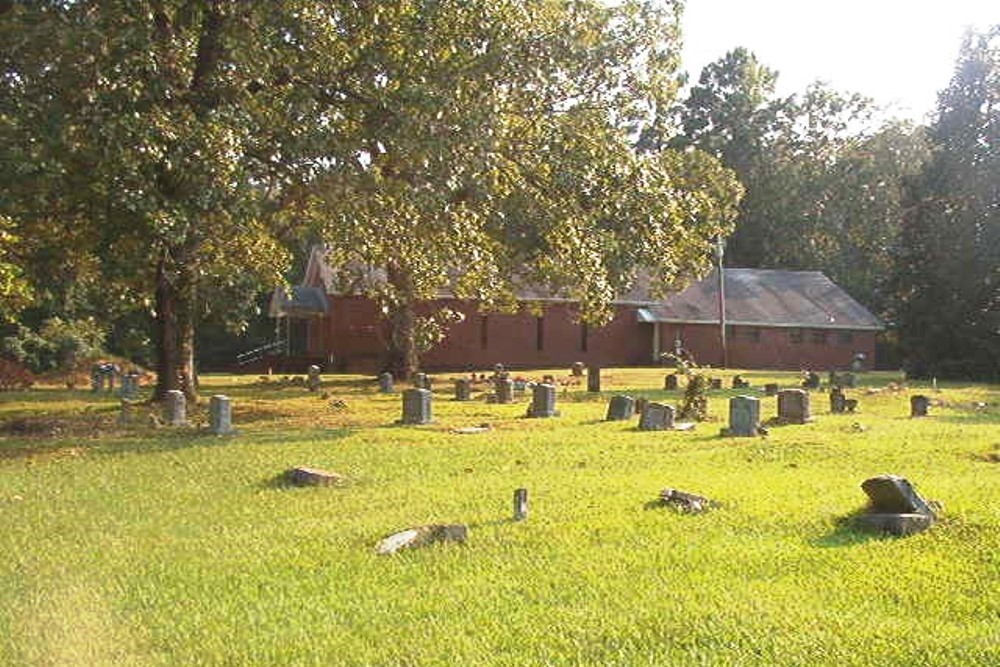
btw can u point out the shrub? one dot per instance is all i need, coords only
(14, 376)
(58, 344)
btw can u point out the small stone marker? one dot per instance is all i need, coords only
(504, 389)
(810, 381)
(175, 408)
(740, 383)
(670, 383)
(919, 406)
(577, 369)
(385, 382)
(543, 401)
(220, 415)
(421, 381)
(657, 417)
(416, 406)
(793, 406)
(838, 402)
(130, 386)
(313, 381)
(422, 536)
(520, 504)
(463, 389)
(771, 389)
(686, 502)
(715, 383)
(312, 477)
(744, 416)
(620, 408)
(895, 506)
(594, 379)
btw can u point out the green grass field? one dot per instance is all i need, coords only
(134, 545)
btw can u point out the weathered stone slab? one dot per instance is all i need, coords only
(220, 415)
(416, 406)
(620, 408)
(594, 379)
(919, 406)
(175, 408)
(312, 477)
(793, 406)
(892, 494)
(744, 416)
(463, 389)
(385, 381)
(657, 417)
(422, 536)
(901, 525)
(543, 401)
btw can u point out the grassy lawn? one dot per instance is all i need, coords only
(135, 545)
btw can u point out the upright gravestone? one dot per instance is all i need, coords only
(577, 369)
(715, 383)
(620, 408)
(385, 382)
(670, 382)
(313, 379)
(771, 389)
(919, 406)
(130, 386)
(96, 378)
(421, 381)
(810, 381)
(416, 406)
(838, 402)
(594, 379)
(793, 406)
(504, 389)
(520, 504)
(744, 416)
(657, 417)
(220, 412)
(739, 382)
(175, 408)
(463, 389)
(543, 401)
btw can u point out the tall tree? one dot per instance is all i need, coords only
(949, 271)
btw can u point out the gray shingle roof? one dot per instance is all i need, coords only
(762, 297)
(303, 301)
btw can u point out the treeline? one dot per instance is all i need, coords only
(164, 162)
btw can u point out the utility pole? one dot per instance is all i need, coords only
(720, 250)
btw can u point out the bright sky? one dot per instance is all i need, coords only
(898, 52)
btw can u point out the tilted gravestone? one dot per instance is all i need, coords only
(793, 406)
(543, 401)
(919, 406)
(671, 383)
(504, 390)
(385, 382)
(463, 389)
(771, 389)
(416, 406)
(594, 379)
(620, 408)
(175, 408)
(895, 506)
(313, 380)
(220, 415)
(744, 416)
(657, 417)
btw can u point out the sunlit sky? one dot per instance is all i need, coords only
(898, 52)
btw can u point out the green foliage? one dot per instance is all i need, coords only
(15, 291)
(948, 276)
(57, 345)
(121, 550)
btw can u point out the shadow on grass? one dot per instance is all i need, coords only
(848, 532)
(174, 439)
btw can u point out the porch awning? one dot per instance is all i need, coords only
(300, 301)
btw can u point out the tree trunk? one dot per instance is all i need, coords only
(166, 326)
(403, 355)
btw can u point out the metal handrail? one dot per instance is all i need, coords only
(257, 353)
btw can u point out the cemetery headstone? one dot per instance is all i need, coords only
(463, 389)
(220, 410)
(577, 369)
(739, 382)
(919, 406)
(416, 406)
(670, 383)
(543, 401)
(744, 416)
(620, 408)
(312, 477)
(504, 390)
(810, 381)
(422, 536)
(715, 383)
(657, 417)
(593, 379)
(771, 389)
(129, 386)
(96, 378)
(640, 405)
(793, 406)
(895, 506)
(838, 402)
(520, 504)
(313, 381)
(686, 502)
(421, 381)
(385, 382)
(175, 408)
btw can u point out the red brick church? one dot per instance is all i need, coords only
(773, 320)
